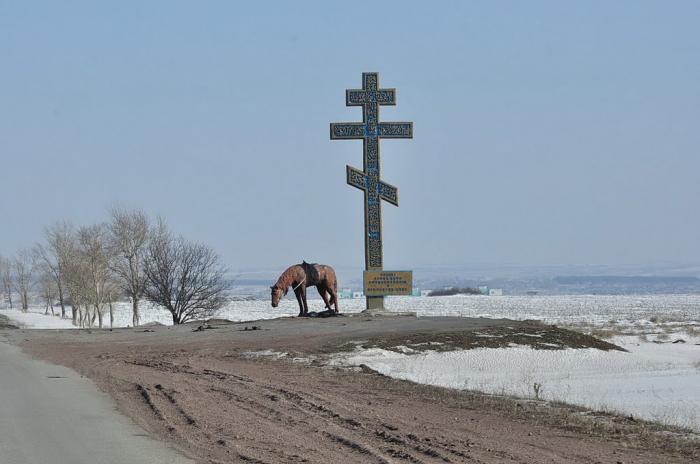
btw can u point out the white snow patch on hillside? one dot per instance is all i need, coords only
(658, 382)
(34, 320)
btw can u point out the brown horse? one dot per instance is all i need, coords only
(304, 275)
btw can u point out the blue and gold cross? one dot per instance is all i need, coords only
(370, 130)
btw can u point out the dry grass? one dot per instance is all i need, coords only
(670, 328)
(605, 334)
(661, 330)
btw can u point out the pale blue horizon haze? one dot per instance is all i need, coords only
(545, 132)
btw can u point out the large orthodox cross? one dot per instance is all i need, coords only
(370, 130)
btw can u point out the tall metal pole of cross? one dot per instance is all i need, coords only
(370, 130)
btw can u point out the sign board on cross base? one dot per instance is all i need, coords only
(383, 283)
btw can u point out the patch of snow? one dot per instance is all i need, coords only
(654, 382)
(36, 320)
(265, 354)
(404, 349)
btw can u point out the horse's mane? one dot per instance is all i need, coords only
(286, 278)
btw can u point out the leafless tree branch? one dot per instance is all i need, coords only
(185, 278)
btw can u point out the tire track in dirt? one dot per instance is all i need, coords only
(255, 407)
(310, 403)
(148, 399)
(358, 448)
(273, 403)
(171, 399)
(350, 426)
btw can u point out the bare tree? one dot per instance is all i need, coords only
(54, 256)
(75, 285)
(24, 269)
(77, 289)
(93, 252)
(48, 290)
(185, 278)
(112, 291)
(6, 278)
(128, 239)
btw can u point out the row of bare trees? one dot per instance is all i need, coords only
(89, 268)
(16, 275)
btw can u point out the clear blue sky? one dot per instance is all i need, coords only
(545, 132)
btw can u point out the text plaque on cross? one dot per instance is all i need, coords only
(370, 97)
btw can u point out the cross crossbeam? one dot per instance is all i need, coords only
(361, 130)
(362, 181)
(370, 97)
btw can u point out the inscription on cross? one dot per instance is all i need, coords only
(370, 131)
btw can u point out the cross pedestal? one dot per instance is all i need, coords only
(370, 131)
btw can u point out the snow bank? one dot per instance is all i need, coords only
(35, 320)
(658, 382)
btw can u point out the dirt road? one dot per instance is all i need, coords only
(199, 389)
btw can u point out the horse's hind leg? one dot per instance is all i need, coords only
(323, 291)
(334, 298)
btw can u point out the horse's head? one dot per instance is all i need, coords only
(276, 294)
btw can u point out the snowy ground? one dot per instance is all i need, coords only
(36, 320)
(657, 380)
(593, 310)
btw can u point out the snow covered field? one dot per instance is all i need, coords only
(594, 310)
(657, 380)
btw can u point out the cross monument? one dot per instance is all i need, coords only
(370, 131)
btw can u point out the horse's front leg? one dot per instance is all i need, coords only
(297, 292)
(303, 297)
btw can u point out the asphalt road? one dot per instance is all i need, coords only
(49, 414)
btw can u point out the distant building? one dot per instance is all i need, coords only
(416, 292)
(484, 289)
(424, 292)
(358, 294)
(496, 292)
(345, 293)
